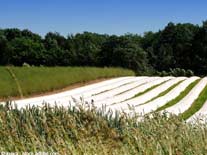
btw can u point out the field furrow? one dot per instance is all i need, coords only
(147, 96)
(118, 90)
(188, 100)
(182, 96)
(109, 100)
(105, 88)
(131, 93)
(153, 105)
(202, 114)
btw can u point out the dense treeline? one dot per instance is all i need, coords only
(181, 46)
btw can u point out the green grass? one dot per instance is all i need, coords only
(145, 91)
(77, 131)
(35, 80)
(149, 89)
(164, 92)
(8, 87)
(179, 97)
(197, 104)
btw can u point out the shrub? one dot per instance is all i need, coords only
(176, 72)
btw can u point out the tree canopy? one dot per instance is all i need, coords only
(177, 46)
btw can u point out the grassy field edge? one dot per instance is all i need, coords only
(38, 80)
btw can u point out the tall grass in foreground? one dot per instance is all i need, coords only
(35, 80)
(78, 131)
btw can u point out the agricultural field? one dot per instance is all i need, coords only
(122, 115)
(142, 95)
(26, 81)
